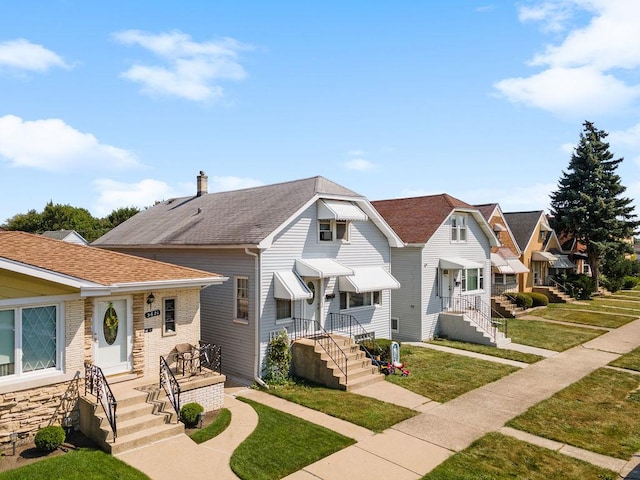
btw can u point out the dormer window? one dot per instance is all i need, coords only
(459, 228)
(330, 230)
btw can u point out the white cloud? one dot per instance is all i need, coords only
(629, 138)
(222, 184)
(568, 148)
(190, 70)
(356, 153)
(513, 199)
(582, 72)
(113, 195)
(53, 145)
(23, 55)
(359, 164)
(485, 8)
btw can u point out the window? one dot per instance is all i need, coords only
(333, 229)
(242, 298)
(472, 279)
(395, 324)
(30, 336)
(169, 315)
(459, 228)
(283, 309)
(355, 300)
(543, 236)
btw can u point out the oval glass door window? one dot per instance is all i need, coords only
(110, 325)
(312, 289)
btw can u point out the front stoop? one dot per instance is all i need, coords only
(554, 295)
(505, 307)
(311, 362)
(141, 420)
(458, 326)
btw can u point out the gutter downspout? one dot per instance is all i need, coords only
(256, 357)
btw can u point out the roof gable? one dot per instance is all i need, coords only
(523, 226)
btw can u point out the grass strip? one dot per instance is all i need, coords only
(499, 457)
(575, 314)
(282, 444)
(79, 464)
(600, 413)
(364, 411)
(489, 350)
(442, 376)
(215, 428)
(547, 335)
(630, 361)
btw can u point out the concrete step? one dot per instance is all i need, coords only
(133, 425)
(358, 382)
(130, 441)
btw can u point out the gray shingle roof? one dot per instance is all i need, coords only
(522, 225)
(239, 217)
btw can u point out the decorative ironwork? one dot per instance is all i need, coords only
(477, 311)
(96, 384)
(345, 324)
(170, 384)
(498, 289)
(210, 356)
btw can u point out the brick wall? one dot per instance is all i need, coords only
(211, 397)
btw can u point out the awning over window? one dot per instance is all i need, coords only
(321, 268)
(457, 263)
(517, 266)
(339, 210)
(498, 261)
(288, 286)
(562, 261)
(368, 279)
(543, 257)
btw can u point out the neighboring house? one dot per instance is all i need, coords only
(306, 249)
(562, 265)
(532, 232)
(70, 236)
(445, 266)
(63, 306)
(577, 252)
(505, 259)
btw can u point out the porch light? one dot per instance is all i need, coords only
(150, 299)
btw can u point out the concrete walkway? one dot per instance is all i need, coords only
(411, 448)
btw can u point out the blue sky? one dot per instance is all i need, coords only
(112, 104)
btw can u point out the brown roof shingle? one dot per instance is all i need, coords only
(89, 263)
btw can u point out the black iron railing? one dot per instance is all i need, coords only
(96, 384)
(348, 325)
(170, 385)
(476, 310)
(210, 356)
(498, 289)
(303, 328)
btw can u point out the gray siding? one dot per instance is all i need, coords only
(406, 302)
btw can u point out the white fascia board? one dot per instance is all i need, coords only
(47, 275)
(154, 285)
(482, 222)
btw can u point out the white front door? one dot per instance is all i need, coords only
(312, 305)
(111, 335)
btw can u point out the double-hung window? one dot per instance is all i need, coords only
(169, 316)
(472, 279)
(333, 230)
(459, 228)
(242, 299)
(29, 340)
(363, 299)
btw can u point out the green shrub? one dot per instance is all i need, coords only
(521, 299)
(611, 284)
(630, 282)
(538, 299)
(49, 438)
(582, 286)
(189, 413)
(278, 359)
(381, 347)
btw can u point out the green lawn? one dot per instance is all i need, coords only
(360, 410)
(573, 314)
(282, 444)
(215, 428)
(498, 457)
(551, 336)
(82, 464)
(443, 376)
(600, 413)
(630, 361)
(488, 350)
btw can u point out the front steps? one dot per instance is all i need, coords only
(457, 326)
(141, 419)
(554, 294)
(505, 307)
(311, 362)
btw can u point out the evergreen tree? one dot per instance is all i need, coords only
(588, 203)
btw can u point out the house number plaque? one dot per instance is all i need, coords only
(152, 313)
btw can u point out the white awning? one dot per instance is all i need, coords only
(288, 286)
(517, 265)
(321, 268)
(340, 210)
(562, 261)
(506, 269)
(498, 261)
(457, 263)
(543, 257)
(368, 279)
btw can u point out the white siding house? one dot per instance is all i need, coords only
(304, 249)
(445, 266)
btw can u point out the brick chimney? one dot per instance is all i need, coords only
(202, 184)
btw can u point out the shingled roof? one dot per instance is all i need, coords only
(487, 209)
(523, 225)
(416, 219)
(95, 265)
(239, 217)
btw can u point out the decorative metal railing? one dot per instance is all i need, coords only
(498, 289)
(348, 325)
(552, 282)
(303, 328)
(170, 385)
(475, 309)
(96, 384)
(210, 356)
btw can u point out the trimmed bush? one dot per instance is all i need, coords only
(539, 299)
(189, 413)
(49, 438)
(522, 299)
(278, 359)
(630, 282)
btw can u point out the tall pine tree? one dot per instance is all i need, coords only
(588, 203)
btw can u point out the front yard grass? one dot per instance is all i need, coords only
(79, 464)
(442, 376)
(213, 429)
(600, 413)
(488, 350)
(366, 412)
(630, 361)
(499, 457)
(551, 336)
(573, 314)
(282, 444)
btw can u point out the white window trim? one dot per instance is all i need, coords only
(334, 231)
(285, 320)
(166, 333)
(362, 307)
(461, 220)
(464, 280)
(236, 319)
(397, 320)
